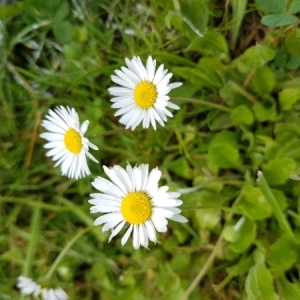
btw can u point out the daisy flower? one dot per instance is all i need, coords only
(143, 95)
(133, 199)
(68, 146)
(29, 287)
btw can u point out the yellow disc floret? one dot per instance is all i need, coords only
(73, 141)
(145, 94)
(136, 208)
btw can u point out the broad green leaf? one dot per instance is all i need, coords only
(223, 156)
(245, 232)
(208, 218)
(241, 267)
(287, 98)
(292, 42)
(201, 76)
(242, 115)
(293, 63)
(277, 261)
(225, 137)
(254, 57)
(278, 170)
(195, 14)
(265, 113)
(181, 167)
(289, 291)
(218, 120)
(279, 20)
(280, 198)
(259, 283)
(263, 81)
(63, 31)
(211, 44)
(294, 7)
(10, 10)
(253, 204)
(62, 12)
(273, 6)
(238, 11)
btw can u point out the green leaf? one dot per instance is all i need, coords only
(211, 44)
(289, 291)
(254, 57)
(278, 170)
(293, 63)
(278, 262)
(238, 11)
(259, 283)
(245, 232)
(241, 267)
(263, 81)
(225, 137)
(253, 204)
(62, 12)
(208, 218)
(294, 7)
(203, 77)
(195, 14)
(279, 20)
(181, 167)
(265, 113)
(273, 6)
(10, 10)
(63, 31)
(242, 115)
(224, 156)
(292, 42)
(287, 98)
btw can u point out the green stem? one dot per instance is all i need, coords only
(241, 91)
(64, 251)
(204, 103)
(32, 202)
(35, 228)
(110, 132)
(204, 269)
(265, 189)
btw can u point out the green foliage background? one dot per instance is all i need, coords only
(239, 63)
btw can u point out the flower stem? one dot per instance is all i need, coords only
(204, 269)
(265, 189)
(34, 228)
(65, 250)
(204, 103)
(109, 132)
(243, 92)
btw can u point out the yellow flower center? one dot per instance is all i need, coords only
(136, 208)
(145, 94)
(73, 141)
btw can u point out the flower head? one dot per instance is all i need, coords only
(143, 95)
(133, 198)
(66, 141)
(30, 287)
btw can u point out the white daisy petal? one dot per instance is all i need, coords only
(150, 231)
(126, 235)
(68, 146)
(136, 237)
(28, 287)
(117, 230)
(142, 94)
(132, 198)
(60, 294)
